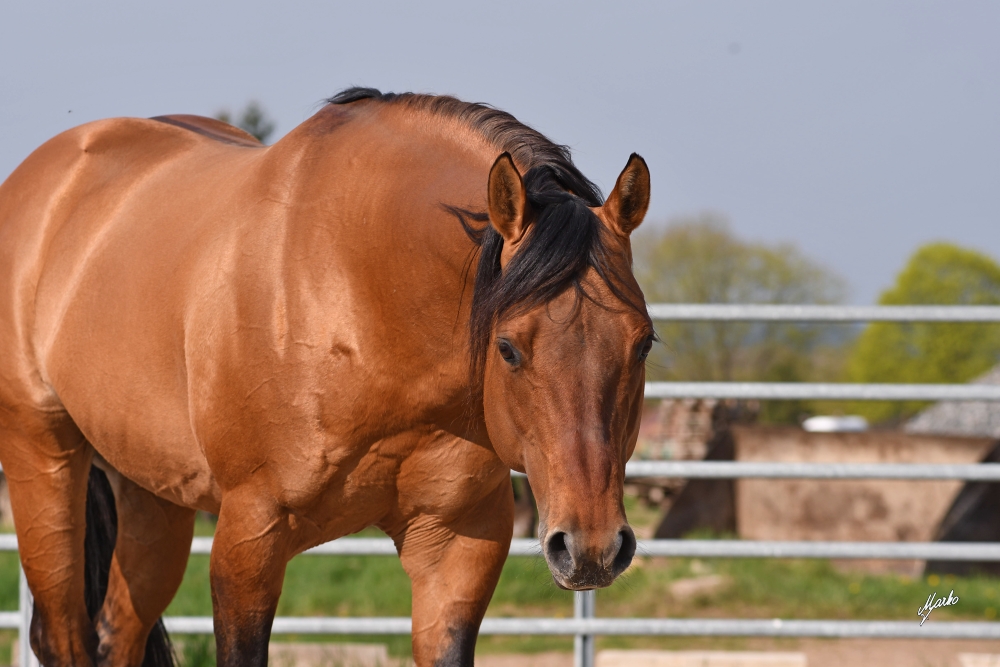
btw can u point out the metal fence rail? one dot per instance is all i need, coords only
(589, 627)
(584, 626)
(725, 312)
(824, 391)
(980, 472)
(963, 551)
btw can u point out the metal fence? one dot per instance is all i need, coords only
(584, 626)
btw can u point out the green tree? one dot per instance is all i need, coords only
(699, 260)
(252, 120)
(942, 274)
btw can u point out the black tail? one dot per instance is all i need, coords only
(102, 531)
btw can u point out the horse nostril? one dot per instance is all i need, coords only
(557, 552)
(625, 552)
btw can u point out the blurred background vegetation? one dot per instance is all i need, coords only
(938, 273)
(699, 260)
(252, 120)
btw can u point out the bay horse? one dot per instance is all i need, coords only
(368, 323)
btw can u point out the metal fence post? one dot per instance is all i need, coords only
(26, 657)
(583, 645)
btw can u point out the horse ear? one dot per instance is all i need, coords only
(626, 205)
(506, 198)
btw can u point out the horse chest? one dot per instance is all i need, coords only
(396, 479)
(446, 476)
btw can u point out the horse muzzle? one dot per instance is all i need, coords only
(580, 564)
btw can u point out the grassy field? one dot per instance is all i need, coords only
(377, 586)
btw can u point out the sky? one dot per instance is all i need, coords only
(857, 131)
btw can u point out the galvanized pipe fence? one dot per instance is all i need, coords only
(585, 626)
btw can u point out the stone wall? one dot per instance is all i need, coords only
(848, 510)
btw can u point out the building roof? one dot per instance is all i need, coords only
(969, 418)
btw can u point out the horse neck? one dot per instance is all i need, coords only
(377, 261)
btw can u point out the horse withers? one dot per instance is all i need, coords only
(368, 323)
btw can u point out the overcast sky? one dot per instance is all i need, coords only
(856, 130)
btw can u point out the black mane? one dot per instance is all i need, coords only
(565, 240)
(528, 147)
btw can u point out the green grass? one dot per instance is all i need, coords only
(793, 589)
(759, 588)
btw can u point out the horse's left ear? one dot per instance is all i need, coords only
(626, 205)
(506, 199)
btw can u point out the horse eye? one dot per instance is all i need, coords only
(647, 346)
(508, 352)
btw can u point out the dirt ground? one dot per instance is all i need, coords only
(819, 652)
(891, 652)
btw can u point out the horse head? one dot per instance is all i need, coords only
(563, 370)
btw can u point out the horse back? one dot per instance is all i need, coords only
(95, 226)
(211, 128)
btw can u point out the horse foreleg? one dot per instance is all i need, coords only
(248, 566)
(151, 552)
(47, 467)
(454, 568)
